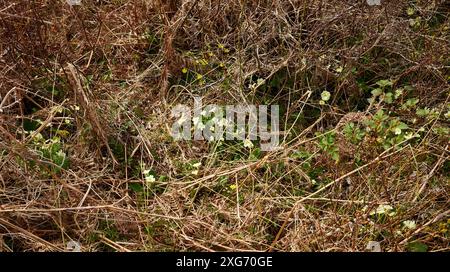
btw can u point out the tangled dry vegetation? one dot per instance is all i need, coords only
(86, 154)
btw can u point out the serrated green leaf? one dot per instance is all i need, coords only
(389, 98)
(377, 92)
(384, 83)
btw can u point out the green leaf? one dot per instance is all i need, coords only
(423, 112)
(384, 83)
(348, 128)
(377, 92)
(417, 247)
(30, 125)
(389, 98)
(410, 103)
(300, 154)
(136, 187)
(398, 129)
(380, 116)
(335, 155)
(255, 154)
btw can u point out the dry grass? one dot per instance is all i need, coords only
(103, 77)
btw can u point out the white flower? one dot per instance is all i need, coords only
(447, 115)
(248, 143)
(197, 165)
(149, 178)
(384, 209)
(38, 137)
(59, 109)
(325, 95)
(409, 224)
